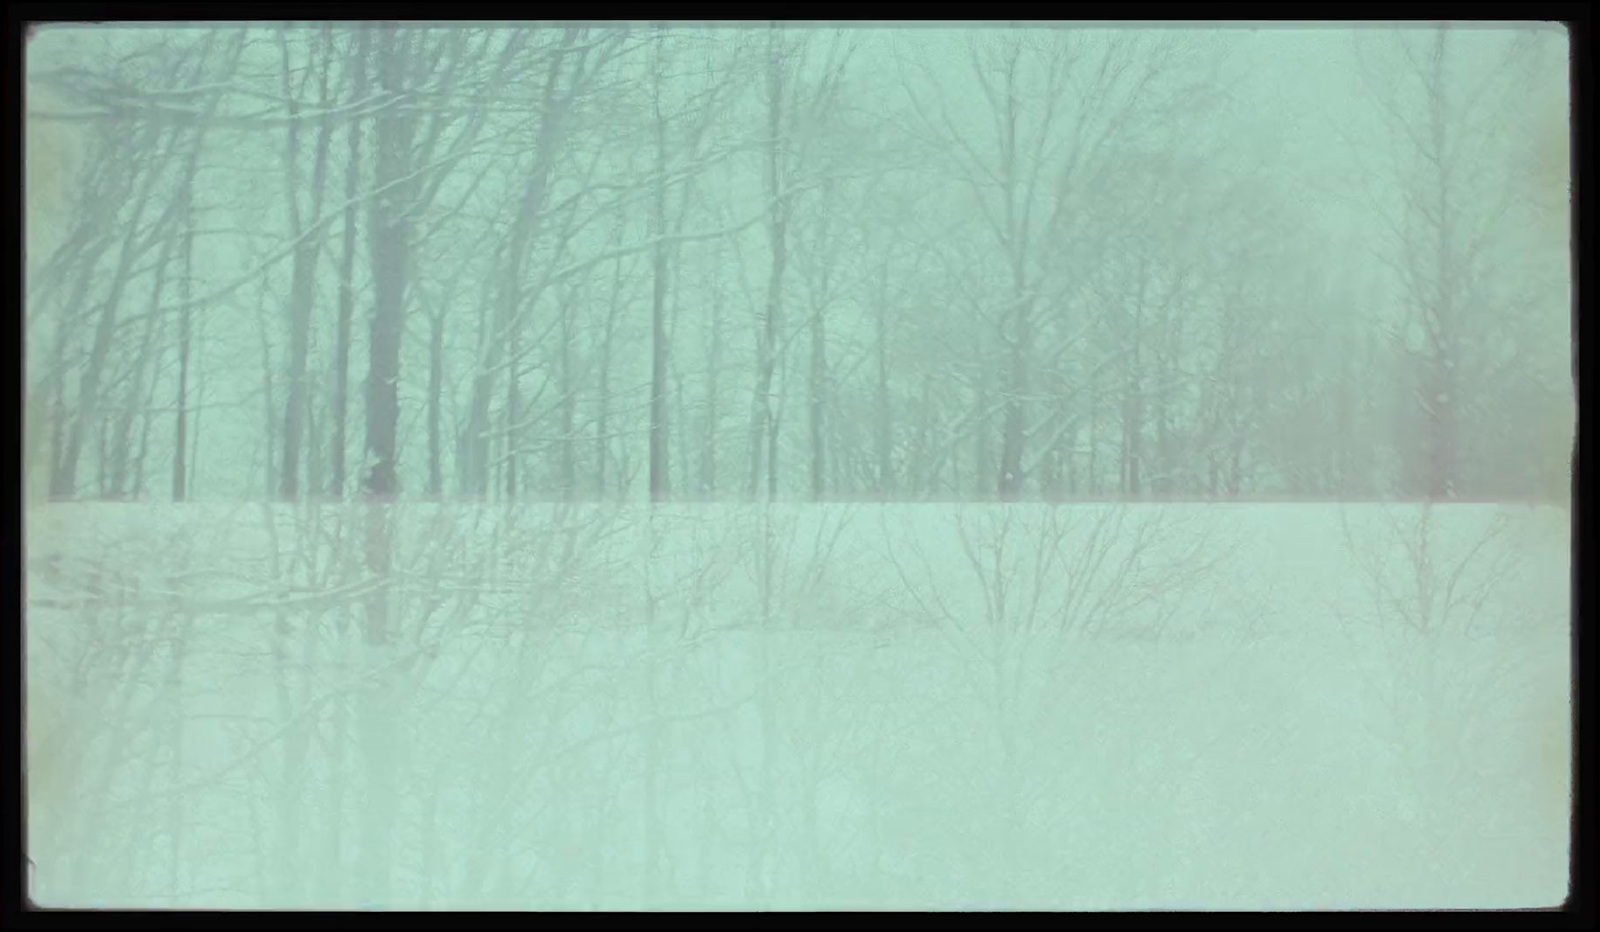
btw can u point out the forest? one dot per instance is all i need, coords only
(602, 263)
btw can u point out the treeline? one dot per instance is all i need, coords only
(540, 262)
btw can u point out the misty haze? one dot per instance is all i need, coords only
(656, 466)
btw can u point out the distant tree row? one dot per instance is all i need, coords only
(601, 263)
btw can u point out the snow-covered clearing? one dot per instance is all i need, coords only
(1074, 706)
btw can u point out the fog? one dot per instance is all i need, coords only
(778, 466)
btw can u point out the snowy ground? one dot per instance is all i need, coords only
(1076, 706)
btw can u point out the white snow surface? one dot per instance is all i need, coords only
(809, 707)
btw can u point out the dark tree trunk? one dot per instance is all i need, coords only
(149, 358)
(513, 417)
(763, 431)
(884, 435)
(568, 477)
(818, 404)
(347, 298)
(660, 488)
(315, 479)
(708, 452)
(1132, 435)
(1014, 437)
(299, 349)
(390, 260)
(472, 443)
(58, 417)
(1133, 399)
(982, 453)
(303, 279)
(602, 443)
(146, 418)
(180, 478)
(435, 392)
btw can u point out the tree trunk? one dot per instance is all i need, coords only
(1094, 433)
(303, 278)
(390, 259)
(818, 399)
(818, 383)
(774, 431)
(513, 416)
(924, 466)
(761, 401)
(269, 410)
(145, 423)
(763, 431)
(1073, 486)
(602, 443)
(1439, 390)
(315, 480)
(1015, 431)
(472, 437)
(347, 258)
(685, 468)
(146, 415)
(884, 435)
(1133, 400)
(659, 460)
(1132, 433)
(122, 442)
(299, 347)
(982, 453)
(568, 479)
(708, 451)
(100, 485)
(435, 393)
(57, 484)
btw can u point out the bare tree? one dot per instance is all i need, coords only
(1015, 589)
(1462, 633)
(309, 247)
(355, 59)
(1444, 95)
(500, 341)
(1057, 105)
